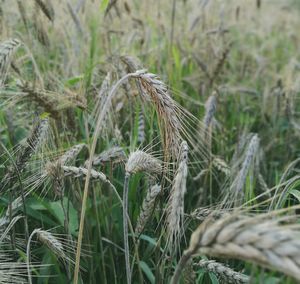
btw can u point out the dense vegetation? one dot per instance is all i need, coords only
(149, 141)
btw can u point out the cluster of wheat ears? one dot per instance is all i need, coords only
(178, 153)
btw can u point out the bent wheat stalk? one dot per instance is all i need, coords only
(99, 125)
(257, 239)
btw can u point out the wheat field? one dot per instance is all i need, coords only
(149, 141)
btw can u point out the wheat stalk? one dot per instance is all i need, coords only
(223, 272)
(22, 11)
(99, 126)
(257, 239)
(47, 9)
(40, 31)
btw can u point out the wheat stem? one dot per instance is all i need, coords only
(98, 128)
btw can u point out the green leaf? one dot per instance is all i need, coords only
(74, 80)
(58, 212)
(148, 239)
(146, 269)
(213, 278)
(104, 5)
(295, 193)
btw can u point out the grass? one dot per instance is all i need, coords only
(200, 142)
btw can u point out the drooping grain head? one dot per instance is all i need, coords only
(166, 110)
(51, 242)
(140, 161)
(113, 155)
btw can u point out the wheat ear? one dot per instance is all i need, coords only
(166, 110)
(71, 154)
(256, 239)
(176, 201)
(113, 154)
(236, 189)
(210, 109)
(7, 49)
(51, 242)
(140, 161)
(202, 213)
(147, 208)
(32, 143)
(223, 272)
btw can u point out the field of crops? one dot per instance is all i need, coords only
(149, 141)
